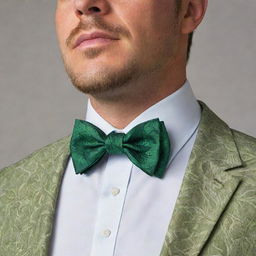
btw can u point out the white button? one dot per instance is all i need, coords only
(115, 191)
(106, 232)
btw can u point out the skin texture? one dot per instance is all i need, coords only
(146, 64)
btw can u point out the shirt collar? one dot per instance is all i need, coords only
(180, 112)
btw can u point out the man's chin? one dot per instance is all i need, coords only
(93, 86)
(93, 90)
(102, 81)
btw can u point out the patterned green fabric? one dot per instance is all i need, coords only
(147, 145)
(214, 215)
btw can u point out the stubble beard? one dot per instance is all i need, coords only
(113, 82)
(104, 81)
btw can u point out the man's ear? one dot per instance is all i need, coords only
(192, 14)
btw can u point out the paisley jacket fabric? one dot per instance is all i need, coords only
(214, 215)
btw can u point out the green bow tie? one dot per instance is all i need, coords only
(146, 145)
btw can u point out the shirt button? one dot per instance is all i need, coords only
(115, 191)
(106, 232)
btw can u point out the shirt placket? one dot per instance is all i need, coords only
(110, 205)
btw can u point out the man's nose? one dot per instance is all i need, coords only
(87, 7)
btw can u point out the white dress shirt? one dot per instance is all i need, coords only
(117, 209)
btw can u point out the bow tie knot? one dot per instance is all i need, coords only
(114, 143)
(147, 145)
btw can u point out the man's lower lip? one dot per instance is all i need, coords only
(95, 41)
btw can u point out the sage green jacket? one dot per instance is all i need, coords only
(215, 213)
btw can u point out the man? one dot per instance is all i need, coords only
(151, 170)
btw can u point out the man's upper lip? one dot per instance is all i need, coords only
(92, 35)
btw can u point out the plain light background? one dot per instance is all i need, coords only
(38, 103)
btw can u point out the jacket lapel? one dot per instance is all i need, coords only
(206, 189)
(29, 191)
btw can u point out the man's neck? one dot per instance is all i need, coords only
(120, 109)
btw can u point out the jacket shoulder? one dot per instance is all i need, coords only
(246, 145)
(28, 194)
(39, 156)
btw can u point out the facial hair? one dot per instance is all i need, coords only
(107, 79)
